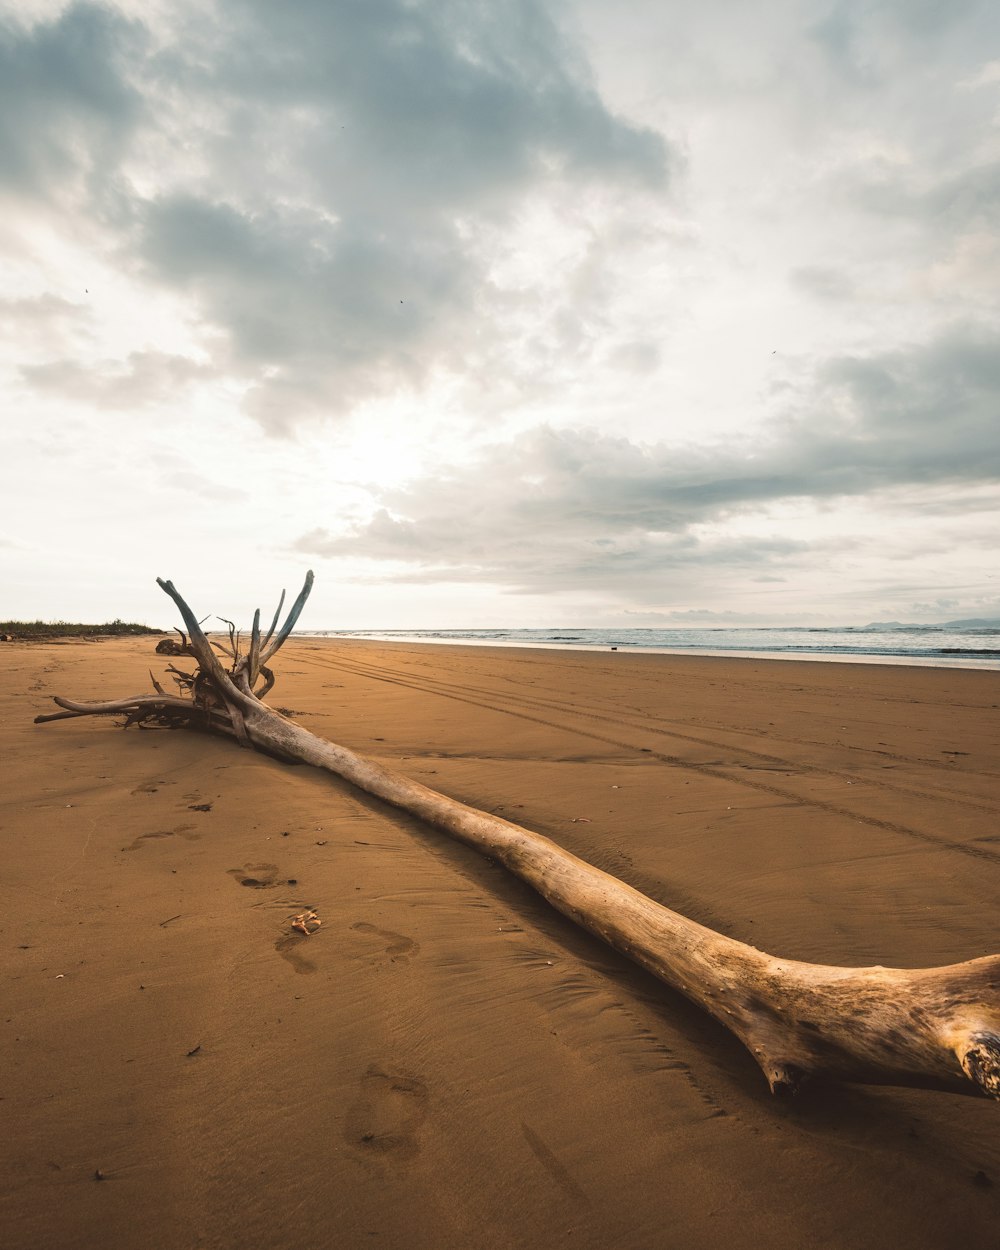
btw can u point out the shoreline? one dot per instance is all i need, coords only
(972, 661)
(446, 1038)
(985, 662)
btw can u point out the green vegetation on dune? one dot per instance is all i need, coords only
(72, 629)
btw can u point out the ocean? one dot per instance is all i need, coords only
(940, 645)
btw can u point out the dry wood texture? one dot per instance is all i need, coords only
(937, 1028)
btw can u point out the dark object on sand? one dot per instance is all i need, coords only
(937, 1028)
(170, 646)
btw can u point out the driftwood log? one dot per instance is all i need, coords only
(937, 1028)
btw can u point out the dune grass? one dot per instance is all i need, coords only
(73, 629)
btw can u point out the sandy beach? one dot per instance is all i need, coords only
(447, 1061)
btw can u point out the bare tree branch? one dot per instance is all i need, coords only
(293, 616)
(233, 650)
(253, 655)
(274, 623)
(199, 644)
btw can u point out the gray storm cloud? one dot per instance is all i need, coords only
(67, 109)
(316, 178)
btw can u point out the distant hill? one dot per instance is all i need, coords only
(972, 622)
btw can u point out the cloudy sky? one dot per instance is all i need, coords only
(515, 313)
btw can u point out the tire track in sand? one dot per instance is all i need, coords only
(702, 769)
(650, 723)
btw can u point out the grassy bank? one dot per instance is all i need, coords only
(73, 629)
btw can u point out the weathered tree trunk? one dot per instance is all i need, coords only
(938, 1028)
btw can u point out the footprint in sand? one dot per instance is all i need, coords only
(137, 844)
(151, 787)
(183, 831)
(385, 1118)
(397, 946)
(290, 946)
(256, 876)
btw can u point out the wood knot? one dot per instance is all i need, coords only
(981, 1062)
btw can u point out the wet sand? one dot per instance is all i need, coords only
(447, 1061)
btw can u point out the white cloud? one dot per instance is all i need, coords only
(588, 303)
(562, 509)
